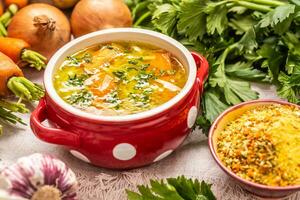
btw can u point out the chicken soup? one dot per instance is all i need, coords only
(119, 78)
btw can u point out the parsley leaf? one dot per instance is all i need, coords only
(179, 188)
(212, 104)
(165, 18)
(192, 19)
(293, 44)
(279, 18)
(290, 87)
(217, 19)
(245, 71)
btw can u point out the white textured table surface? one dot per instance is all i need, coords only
(193, 159)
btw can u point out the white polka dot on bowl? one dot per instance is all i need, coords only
(80, 156)
(192, 116)
(124, 151)
(163, 155)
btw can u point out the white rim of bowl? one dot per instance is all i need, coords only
(48, 82)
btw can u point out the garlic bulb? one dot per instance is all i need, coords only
(38, 177)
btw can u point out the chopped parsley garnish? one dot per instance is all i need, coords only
(81, 98)
(113, 98)
(73, 60)
(76, 61)
(87, 57)
(143, 79)
(120, 74)
(167, 72)
(142, 99)
(133, 62)
(76, 81)
(109, 47)
(144, 66)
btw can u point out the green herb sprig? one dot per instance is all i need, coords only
(180, 188)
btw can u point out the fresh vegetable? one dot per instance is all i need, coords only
(8, 110)
(12, 80)
(18, 51)
(93, 15)
(38, 177)
(8, 69)
(19, 3)
(1, 7)
(44, 27)
(63, 4)
(6, 17)
(244, 41)
(179, 188)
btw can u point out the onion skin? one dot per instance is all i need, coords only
(93, 15)
(44, 27)
(64, 4)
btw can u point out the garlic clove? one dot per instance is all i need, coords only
(39, 176)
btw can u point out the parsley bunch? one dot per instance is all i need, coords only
(244, 41)
(179, 188)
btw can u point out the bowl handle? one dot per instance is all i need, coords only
(51, 135)
(203, 69)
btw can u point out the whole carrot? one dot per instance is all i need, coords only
(19, 3)
(18, 51)
(12, 81)
(8, 69)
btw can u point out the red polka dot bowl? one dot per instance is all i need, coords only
(121, 142)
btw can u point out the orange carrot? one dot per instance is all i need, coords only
(19, 3)
(162, 61)
(18, 51)
(13, 47)
(1, 8)
(8, 69)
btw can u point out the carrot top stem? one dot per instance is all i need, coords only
(24, 88)
(33, 58)
(9, 13)
(3, 32)
(13, 107)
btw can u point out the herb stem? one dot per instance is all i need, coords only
(272, 3)
(142, 18)
(253, 6)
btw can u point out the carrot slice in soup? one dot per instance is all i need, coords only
(162, 61)
(102, 84)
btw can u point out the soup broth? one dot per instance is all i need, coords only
(119, 78)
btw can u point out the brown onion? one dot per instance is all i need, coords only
(43, 26)
(93, 15)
